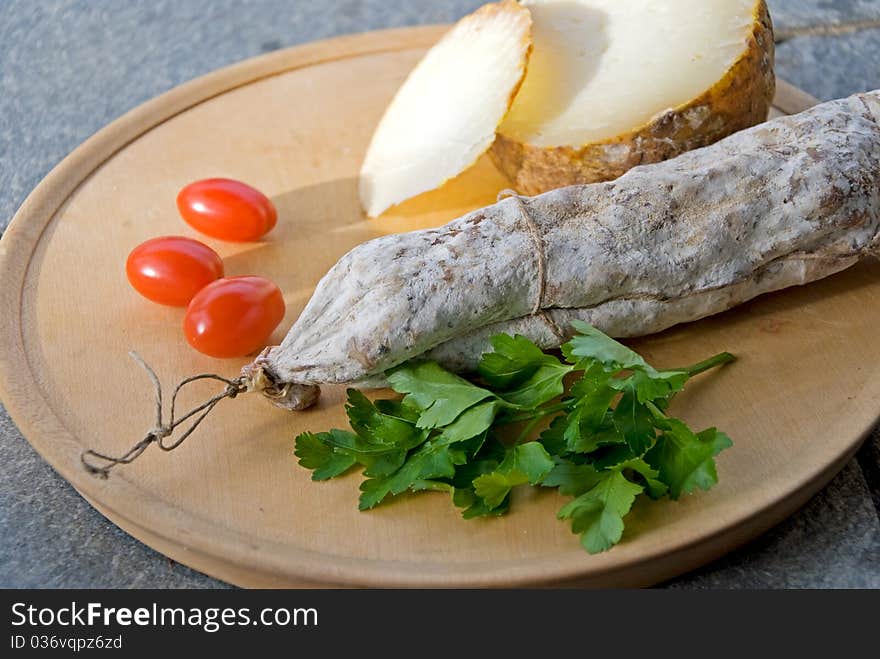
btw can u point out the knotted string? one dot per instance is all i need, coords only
(162, 431)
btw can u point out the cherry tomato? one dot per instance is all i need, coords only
(172, 269)
(227, 209)
(233, 317)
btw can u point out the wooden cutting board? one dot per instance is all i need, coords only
(232, 501)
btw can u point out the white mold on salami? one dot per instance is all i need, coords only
(781, 204)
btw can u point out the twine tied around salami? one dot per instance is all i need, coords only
(781, 204)
(541, 259)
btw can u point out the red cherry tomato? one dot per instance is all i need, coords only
(227, 209)
(172, 269)
(233, 317)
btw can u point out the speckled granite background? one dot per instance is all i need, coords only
(69, 67)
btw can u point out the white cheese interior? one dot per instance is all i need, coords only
(603, 67)
(447, 112)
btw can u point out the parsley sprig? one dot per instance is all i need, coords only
(607, 437)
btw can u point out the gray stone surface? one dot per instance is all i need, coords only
(67, 68)
(52, 538)
(832, 66)
(797, 14)
(833, 542)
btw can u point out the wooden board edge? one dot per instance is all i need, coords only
(15, 378)
(790, 99)
(644, 574)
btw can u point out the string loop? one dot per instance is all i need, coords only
(162, 431)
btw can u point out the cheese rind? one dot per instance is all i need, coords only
(615, 84)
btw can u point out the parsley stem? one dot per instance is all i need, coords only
(527, 430)
(706, 364)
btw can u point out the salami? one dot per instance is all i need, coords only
(781, 204)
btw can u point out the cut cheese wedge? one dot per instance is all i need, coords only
(612, 84)
(446, 114)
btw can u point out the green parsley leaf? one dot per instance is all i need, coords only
(634, 421)
(572, 479)
(584, 428)
(513, 360)
(659, 384)
(597, 515)
(607, 457)
(474, 506)
(398, 409)
(382, 464)
(553, 437)
(493, 488)
(606, 441)
(436, 459)
(442, 396)
(530, 460)
(594, 440)
(684, 459)
(649, 383)
(378, 428)
(591, 344)
(525, 463)
(325, 460)
(592, 403)
(472, 422)
(654, 488)
(378, 459)
(486, 461)
(542, 386)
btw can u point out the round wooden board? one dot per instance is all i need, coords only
(232, 501)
